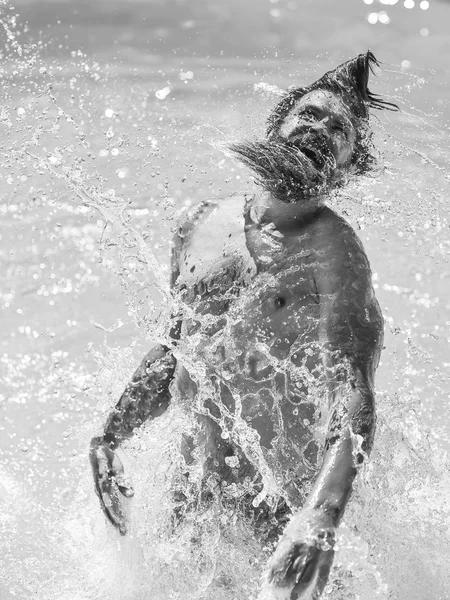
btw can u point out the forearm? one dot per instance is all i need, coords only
(349, 440)
(146, 396)
(334, 483)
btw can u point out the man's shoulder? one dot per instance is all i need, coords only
(333, 230)
(191, 216)
(211, 239)
(339, 249)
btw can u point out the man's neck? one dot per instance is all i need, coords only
(265, 208)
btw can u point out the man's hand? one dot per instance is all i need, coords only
(303, 557)
(109, 482)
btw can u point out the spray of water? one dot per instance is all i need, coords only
(74, 148)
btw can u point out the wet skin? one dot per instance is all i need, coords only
(292, 326)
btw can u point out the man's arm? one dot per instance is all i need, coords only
(147, 396)
(351, 333)
(351, 329)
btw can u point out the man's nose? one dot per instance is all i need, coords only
(320, 126)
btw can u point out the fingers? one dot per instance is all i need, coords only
(324, 572)
(125, 490)
(315, 573)
(283, 561)
(110, 483)
(110, 501)
(288, 571)
(298, 564)
(117, 471)
(303, 567)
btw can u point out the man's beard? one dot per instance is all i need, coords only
(291, 171)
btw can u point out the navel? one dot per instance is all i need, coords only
(280, 301)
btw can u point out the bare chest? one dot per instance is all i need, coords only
(225, 256)
(251, 299)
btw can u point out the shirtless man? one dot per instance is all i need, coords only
(276, 311)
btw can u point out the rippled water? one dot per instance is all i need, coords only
(99, 157)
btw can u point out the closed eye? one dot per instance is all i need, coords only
(309, 114)
(340, 128)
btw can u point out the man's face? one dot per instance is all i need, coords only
(320, 126)
(309, 154)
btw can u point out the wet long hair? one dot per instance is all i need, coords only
(279, 168)
(349, 81)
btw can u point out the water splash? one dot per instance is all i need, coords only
(83, 211)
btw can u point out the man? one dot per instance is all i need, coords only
(276, 339)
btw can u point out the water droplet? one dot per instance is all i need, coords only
(232, 461)
(163, 93)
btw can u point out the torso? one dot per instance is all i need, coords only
(254, 337)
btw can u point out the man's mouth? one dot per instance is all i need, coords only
(314, 155)
(316, 151)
